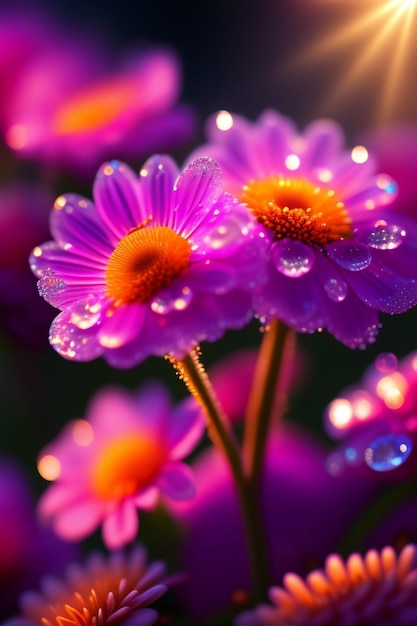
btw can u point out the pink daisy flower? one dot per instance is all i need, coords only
(157, 265)
(121, 458)
(379, 589)
(116, 589)
(337, 255)
(70, 104)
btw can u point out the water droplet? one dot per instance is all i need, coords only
(223, 235)
(293, 258)
(351, 255)
(388, 452)
(386, 362)
(386, 237)
(170, 301)
(49, 286)
(86, 314)
(71, 342)
(336, 289)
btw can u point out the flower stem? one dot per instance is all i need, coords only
(277, 345)
(198, 383)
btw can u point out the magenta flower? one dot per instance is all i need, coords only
(379, 589)
(376, 419)
(306, 509)
(156, 266)
(70, 104)
(116, 589)
(121, 458)
(337, 256)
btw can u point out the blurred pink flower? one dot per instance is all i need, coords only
(379, 589)
(116, 589)
(119, 459)
(70, 103)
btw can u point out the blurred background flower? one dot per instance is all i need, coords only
(116, 588)
(122, 457)
(73, 101)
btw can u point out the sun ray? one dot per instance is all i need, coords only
(373, 46)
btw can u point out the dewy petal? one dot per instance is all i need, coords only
(383, 290)
(157, 179)
(352, 322)
(121, 526)
(115, 193)
(72, 342)
(176, 481)
(122, 327)
(197, 187)
(76, 226)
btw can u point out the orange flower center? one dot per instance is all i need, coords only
(94, 108)
(295, 208)
(127, 465)
(144, 262)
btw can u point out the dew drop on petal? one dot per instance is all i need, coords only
(336, 289)
(49, 285)
(223, 235)
(388, 452)
(86, 314)
(386, 362)
(351, 255)
(71, 343)
(386, 237)
(166, 303)
(293, 258)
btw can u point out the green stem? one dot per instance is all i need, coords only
(277, 343)
(195, 378)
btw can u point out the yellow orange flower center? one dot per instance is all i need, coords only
(298, 209)
(95, 107)
(144, 262)
(127, 465)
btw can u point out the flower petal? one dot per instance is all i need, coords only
(197, 187)
(121, 526)
(122, 327)
(116, 197)
(186, 428)
(176, 481)
(76, 225)
(157, 179)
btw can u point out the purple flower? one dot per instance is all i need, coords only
(306, 509)
(157, 265)
(70, 104)
(337, 255)
(127, 452)
(116, 589)
(376, 420)
(378, 589)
